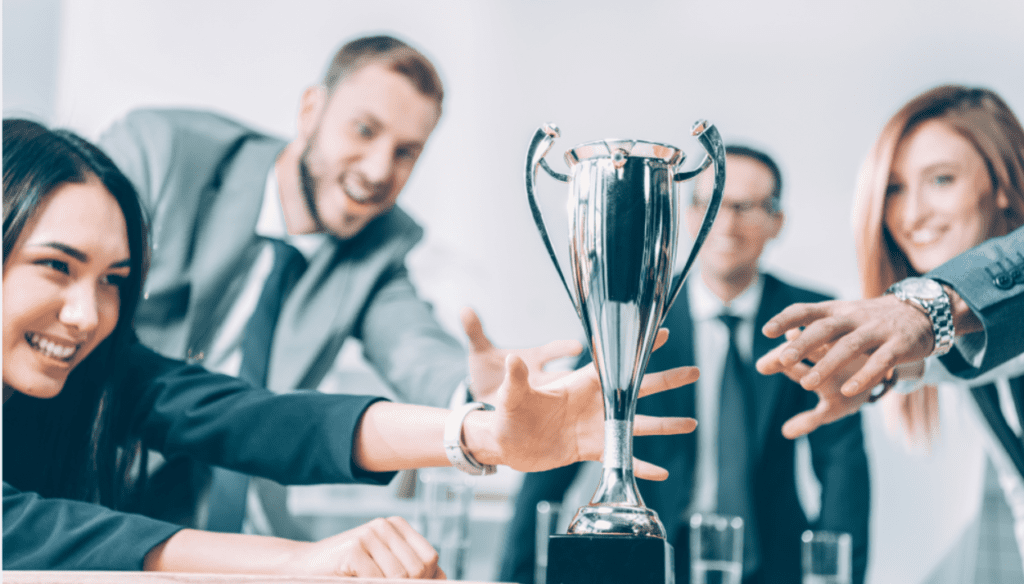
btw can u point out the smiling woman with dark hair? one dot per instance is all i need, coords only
(84, 402)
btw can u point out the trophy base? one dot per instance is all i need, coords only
(610, 559)
(616, 520)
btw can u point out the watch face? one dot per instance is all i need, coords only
(923, 288)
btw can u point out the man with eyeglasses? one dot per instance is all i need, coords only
(737, 462)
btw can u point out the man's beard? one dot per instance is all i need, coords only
(309, 187)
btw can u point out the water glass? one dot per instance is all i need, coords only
(547, 524)
(716, 549)
(826, 557)
(443, 498)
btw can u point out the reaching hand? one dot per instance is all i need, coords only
(563, 422)
(886, 330)
(487, 363)
(382, 548)
(832, 404)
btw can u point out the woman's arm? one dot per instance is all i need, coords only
(383, 548)
(531, 429)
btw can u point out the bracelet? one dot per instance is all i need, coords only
(887, 384)
(453, 446)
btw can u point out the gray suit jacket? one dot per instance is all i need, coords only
(202, 178)
(990, 279)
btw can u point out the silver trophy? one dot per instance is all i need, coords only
(624, 215)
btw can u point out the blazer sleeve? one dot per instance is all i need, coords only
(405, 343)
(60, 534)
(298, 438)
(841, 465)
(990, 279)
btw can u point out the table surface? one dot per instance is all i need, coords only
(56, 577)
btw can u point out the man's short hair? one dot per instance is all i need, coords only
(763, 158)
(393, 54)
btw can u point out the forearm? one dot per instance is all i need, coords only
(964, 319)
(399, 436)
(191, 550)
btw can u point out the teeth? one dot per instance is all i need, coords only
(924, 236)
(51, 349)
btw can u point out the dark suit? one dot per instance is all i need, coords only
(178, 410)
(838, 457)
(990, 279)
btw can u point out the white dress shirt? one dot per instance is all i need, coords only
(710, 346)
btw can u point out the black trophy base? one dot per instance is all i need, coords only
(610, 559)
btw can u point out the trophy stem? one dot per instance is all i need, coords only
(616, 507)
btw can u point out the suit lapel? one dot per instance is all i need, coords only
(987, 398)
(225, 234)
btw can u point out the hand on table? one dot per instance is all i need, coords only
(487, 362)
(382, 548)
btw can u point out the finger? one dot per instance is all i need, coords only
(662, 426)
(660, 339)
(796, 372)
(645, 470)
(874, 371)
(359, 563)
(478, 341)
(555, 350)
(815, 335)
(669, 379)
(769, 363)
(852, 346)
(794, 316)
(394, 557)
(417, 563)
(804, 423)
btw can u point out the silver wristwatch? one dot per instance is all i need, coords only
(453, 446)
(929, 297)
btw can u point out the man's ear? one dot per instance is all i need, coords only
(311, 108)
(779, 220)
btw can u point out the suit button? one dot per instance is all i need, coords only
(1003, 281)
(1018, 276)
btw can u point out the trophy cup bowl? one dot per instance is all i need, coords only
(624, 214)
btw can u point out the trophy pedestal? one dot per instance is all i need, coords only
(610, 559)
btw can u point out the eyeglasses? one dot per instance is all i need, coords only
(743, 209)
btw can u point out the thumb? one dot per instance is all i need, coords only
(517, 381)
(478, 341)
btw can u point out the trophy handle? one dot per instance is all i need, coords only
(709, 137)
(542, 141)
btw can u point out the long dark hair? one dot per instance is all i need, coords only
(80, 453)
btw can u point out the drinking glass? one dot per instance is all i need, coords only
(826, 557)
(443, 498)
(547, 524)
(716, 549)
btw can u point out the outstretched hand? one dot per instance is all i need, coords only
(879, 333)
(832, 403)
(487, 362)
(563, 422)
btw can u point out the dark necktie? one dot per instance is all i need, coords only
(734, 466)
(228, 488)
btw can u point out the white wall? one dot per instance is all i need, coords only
(810, 81)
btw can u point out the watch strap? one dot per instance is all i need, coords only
(453, 446)
(939, 311)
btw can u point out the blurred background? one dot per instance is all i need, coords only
(810, 82)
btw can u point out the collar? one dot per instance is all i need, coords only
(270, 223)
(706, 306)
